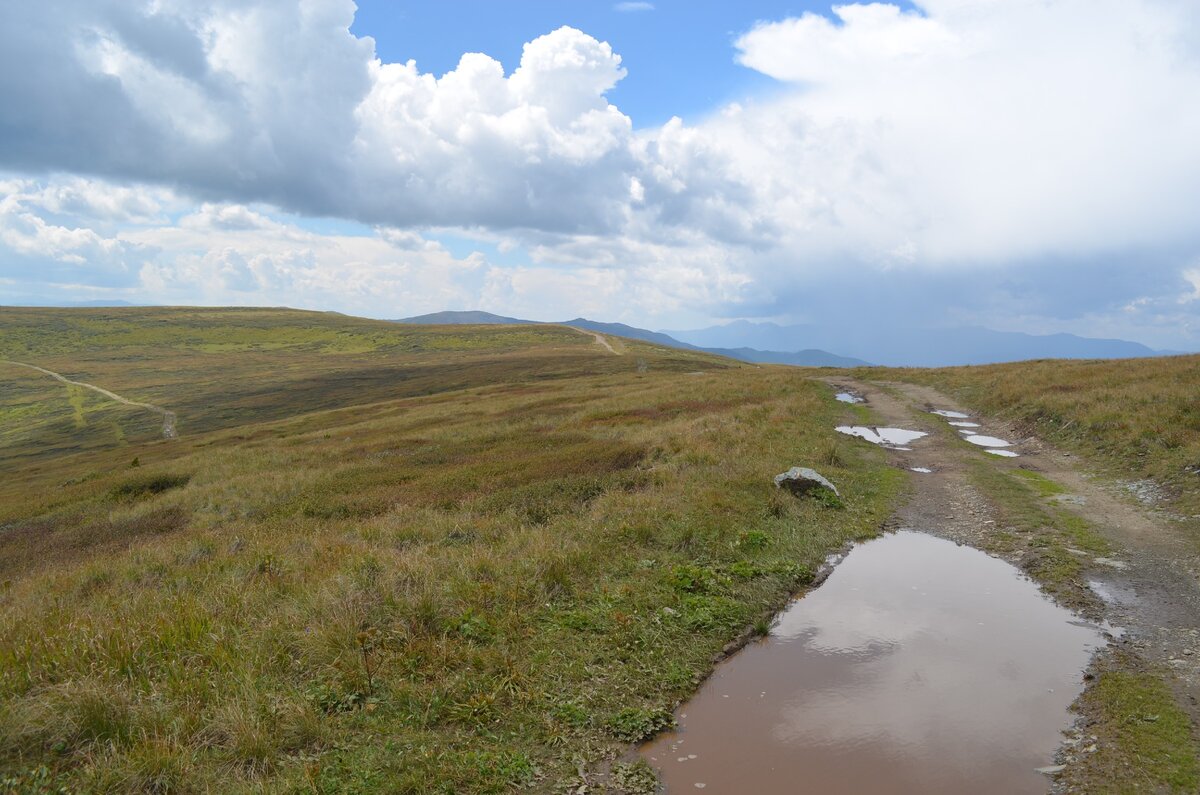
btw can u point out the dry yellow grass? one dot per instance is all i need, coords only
(449, 578)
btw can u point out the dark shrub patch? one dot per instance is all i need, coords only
(147, 485)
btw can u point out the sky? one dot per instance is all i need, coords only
(1026, 165)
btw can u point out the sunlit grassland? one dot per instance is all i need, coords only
(1137, 418)
(223, 368)
(465, 567)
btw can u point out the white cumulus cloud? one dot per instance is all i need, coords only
(1028, 142)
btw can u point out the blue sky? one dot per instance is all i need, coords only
(1018, 164)
(679, 54)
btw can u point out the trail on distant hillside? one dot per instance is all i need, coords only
(168, 428)
(603, 342)
(600, 339)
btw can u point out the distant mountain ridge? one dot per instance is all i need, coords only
(467, 318)
(900, 347)
(804, 358)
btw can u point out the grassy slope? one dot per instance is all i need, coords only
(383, 558)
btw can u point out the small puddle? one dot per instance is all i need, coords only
(919, 666)
(849, 397)
(1004, 453)
(958, 424)
(988, 441)
(957, 415)
(886, 437)
(922, 470)
(1112, 593)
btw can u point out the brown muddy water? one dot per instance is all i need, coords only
(919, 666)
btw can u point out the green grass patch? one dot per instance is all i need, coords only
(1148, 743)
(1046, 532)
(1042, 485)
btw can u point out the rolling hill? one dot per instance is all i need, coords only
(809, 357)
(382, 557)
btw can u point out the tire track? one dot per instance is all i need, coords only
(168, 428)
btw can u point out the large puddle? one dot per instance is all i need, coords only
(919, 666)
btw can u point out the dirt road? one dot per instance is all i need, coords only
(168, 428)
(1148, 586)
(600, 339)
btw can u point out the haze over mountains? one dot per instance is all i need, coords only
(810, 345)
(802, 358)
(915, 347)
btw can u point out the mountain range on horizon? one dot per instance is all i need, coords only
(810, 345)
(918, 347)
(802, 358)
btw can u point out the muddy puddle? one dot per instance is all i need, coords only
(848, 397)
(920, 666)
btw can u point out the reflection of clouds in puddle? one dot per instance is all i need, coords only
(922, 470)
(958, 415)
(848, 397)
(918, 666)
(886, 437)
(1004, 453)
(947, 648)
(964, 424)
(988, 441)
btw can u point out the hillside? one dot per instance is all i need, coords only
(809, 357)
(222, 368)
(457, 318)
(381, 557)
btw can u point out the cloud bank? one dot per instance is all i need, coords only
(1002, 143)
